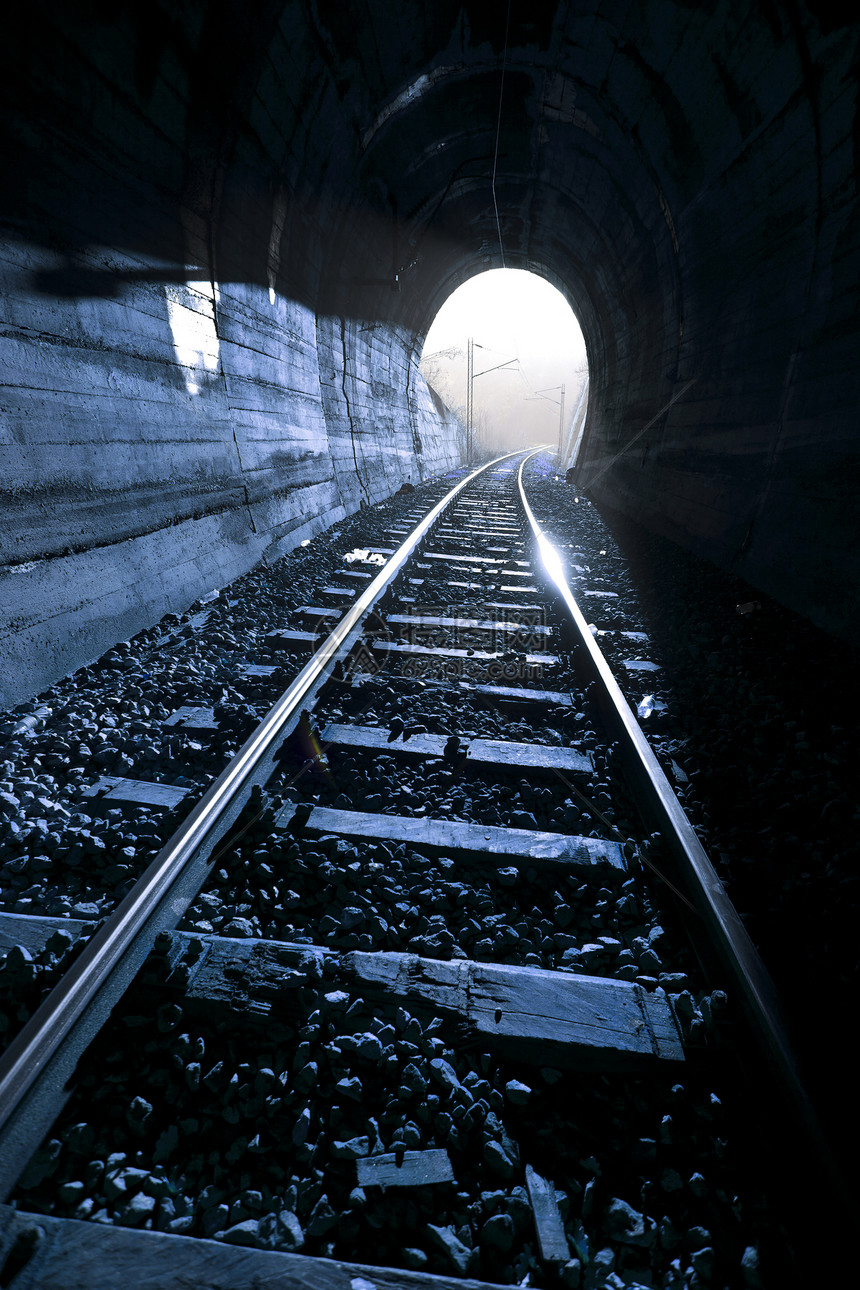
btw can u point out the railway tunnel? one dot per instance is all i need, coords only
(227, 228)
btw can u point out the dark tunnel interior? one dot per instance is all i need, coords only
(228, 226)
(226, 229)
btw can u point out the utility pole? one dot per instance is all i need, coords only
(471, 377)
(544, 394)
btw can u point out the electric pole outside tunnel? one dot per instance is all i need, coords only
(471, 377)
(544, 394)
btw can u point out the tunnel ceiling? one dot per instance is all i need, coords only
(684, 173)
(347, 148)
(400, 116)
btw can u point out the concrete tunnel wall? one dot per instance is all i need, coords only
(164, 427)
(137, 484)
(227, 226)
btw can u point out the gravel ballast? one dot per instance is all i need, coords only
(752, 725)
(655, 1184)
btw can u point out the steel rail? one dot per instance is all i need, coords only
(734, 948)
(30, 1054)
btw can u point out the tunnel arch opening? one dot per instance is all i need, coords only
(506, 353)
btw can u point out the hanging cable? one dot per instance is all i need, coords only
(498, 128)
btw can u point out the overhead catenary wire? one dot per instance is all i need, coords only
(498, 128)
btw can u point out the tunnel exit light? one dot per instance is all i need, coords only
(507, 354)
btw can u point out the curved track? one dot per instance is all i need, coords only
(455, 911)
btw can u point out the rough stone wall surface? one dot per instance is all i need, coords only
(175, 403)
(755, 463)
(158, 444)
(377, 408)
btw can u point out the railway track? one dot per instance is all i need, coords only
(414, 993)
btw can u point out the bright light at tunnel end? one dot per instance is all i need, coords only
(507, 355)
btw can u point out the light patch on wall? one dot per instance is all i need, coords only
(191, 313)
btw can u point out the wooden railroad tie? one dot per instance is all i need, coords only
(314, 614)
(454, 558)
(192, 721)
(480, 753)
(512, 608)
(112, 790)
(480, 530)
(477, 843)
(532, 1015)
(515, 698)
(300, 641)
(548, 1224)
(56, 1253)
(405, 1169)
(503, 628)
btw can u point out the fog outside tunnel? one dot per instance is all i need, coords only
(530, 364)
